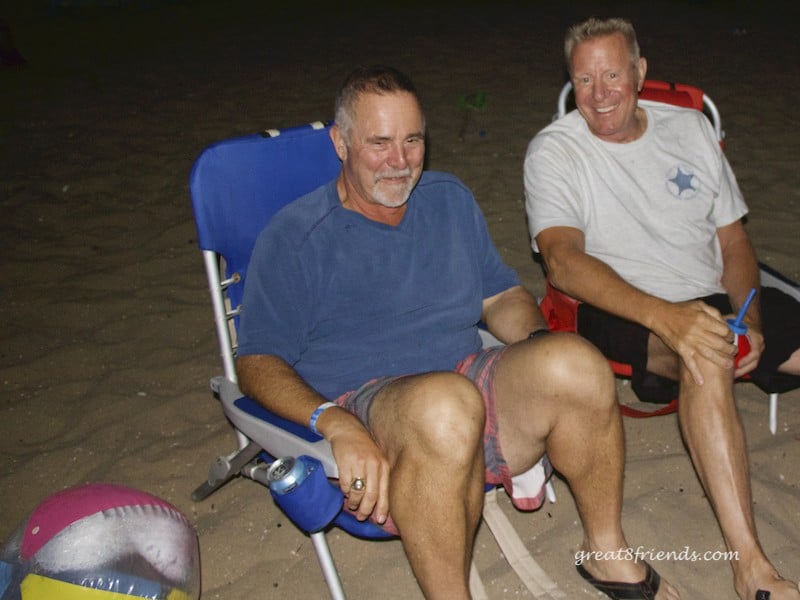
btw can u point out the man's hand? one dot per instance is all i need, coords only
(358, 457)
(693, 329)
(276, 385)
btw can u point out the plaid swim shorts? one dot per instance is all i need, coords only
(526, 489)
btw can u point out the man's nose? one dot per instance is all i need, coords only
(599, 90)
(397, 157)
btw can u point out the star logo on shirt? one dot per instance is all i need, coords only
(682, 183)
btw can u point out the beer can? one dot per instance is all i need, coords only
(285, 474)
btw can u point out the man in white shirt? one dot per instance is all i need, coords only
(636, 212)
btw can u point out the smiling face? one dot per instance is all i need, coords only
(383, 155)
(607, 81)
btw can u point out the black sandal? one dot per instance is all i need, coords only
(619, 590)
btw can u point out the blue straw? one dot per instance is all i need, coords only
(744, 308)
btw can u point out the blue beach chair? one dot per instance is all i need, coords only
(236, 186)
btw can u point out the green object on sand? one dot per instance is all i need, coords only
(470, 103)
(474, 101)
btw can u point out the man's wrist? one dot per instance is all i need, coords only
(312, 423)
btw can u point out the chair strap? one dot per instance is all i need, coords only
(517, 555)
(635, 413)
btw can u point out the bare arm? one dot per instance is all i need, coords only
(740, 274)
(276, 385)
(688, 328)
(588, 279)
(273, 383)
(512, 314)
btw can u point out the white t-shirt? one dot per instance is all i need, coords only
(650, 209)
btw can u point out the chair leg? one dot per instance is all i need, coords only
(224, 469)
(773, 413)
(327, 565)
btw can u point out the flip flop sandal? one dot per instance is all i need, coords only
(619, 590)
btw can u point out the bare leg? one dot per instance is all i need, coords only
(713, 432)
(792, 364)
(431, 428)
(558, 394)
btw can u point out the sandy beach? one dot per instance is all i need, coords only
(106, 336)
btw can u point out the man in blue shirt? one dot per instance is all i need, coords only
(361, 310)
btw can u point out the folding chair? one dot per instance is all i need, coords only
(560, 310)
(236, 186)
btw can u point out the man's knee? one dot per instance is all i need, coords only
(715, 393)
(446, 413)
(574, 368)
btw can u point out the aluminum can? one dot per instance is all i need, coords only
(286, 473)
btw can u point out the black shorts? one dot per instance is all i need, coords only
(626, 342)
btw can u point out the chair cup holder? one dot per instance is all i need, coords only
(314, 502)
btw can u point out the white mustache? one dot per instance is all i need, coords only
(393, 174)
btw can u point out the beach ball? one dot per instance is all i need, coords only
(101, 542)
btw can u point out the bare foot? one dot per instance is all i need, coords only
(750, 577)
(778, 588)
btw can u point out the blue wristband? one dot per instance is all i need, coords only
(312, 424)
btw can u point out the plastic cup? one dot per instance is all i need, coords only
(740, 329)
(740, 339)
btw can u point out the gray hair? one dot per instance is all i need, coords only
(594, 28)
(376, 79)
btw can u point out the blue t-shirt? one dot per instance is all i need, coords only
(344, 299)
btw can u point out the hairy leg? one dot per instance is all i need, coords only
(431, 428)
(557, 394)
(715, 438)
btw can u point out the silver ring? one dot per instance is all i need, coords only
(357, 484)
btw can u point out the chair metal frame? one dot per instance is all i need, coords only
(259, 431)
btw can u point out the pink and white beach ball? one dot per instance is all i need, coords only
(101, 542)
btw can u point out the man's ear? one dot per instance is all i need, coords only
(338, 142)
(642, 71)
